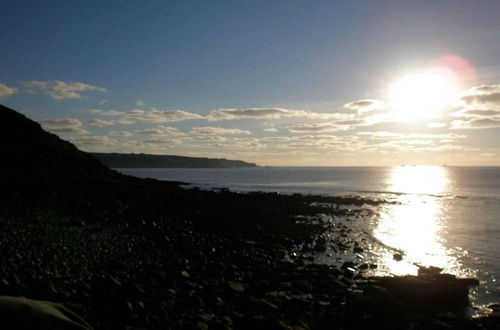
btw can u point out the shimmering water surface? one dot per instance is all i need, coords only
(447, 217)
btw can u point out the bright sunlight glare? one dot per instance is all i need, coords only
(414, 225)
(423, 95)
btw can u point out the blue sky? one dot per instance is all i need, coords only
(274, 82)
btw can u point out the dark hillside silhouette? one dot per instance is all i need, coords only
(117, 160)
(30, 153)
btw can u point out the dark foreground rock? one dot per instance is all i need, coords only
(148, 254)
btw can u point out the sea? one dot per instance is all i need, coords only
(442, 216)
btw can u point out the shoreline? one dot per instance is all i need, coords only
(128, 252)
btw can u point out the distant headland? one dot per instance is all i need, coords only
(119, 160)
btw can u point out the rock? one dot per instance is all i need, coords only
(282, 325)
(429, 293)
(358, 249)
(207, 316)
(236, 286)
(201, 326)
(397, 256)
(431, 270)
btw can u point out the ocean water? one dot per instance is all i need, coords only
(447, 217)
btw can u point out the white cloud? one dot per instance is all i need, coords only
(483, 95)
(367, 105)
(154, 131)
(471, 113)
(270, 113)
(159, 130)
(59, 90)
(6, 90)
(217, 131)
(340, 125)
(481, 108)
(100, 123)
(313, 143)
(133, 116)
(121, 133)
(316, 127)
(270, 129)
(384, 135)
(436, 125)
(93, 142)
(63, 125)
(476, 123)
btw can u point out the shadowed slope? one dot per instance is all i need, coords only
(30, 153)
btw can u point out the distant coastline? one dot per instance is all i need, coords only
(119, 160)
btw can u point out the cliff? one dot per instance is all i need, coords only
(117, 160)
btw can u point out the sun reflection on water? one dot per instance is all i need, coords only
(415, 225)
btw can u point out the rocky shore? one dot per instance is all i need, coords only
(145, 254)
(128, 253)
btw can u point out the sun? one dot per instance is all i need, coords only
(422, 95)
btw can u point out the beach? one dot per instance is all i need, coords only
(440, 216)
(149, 254)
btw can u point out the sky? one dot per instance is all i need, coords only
(290, 83)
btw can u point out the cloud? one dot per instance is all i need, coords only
(315, 127)
(133, 116)
(155, 131)
(484, 95)
(241, 143)
(93, 142)
(384, 135)
(6, 91)
(313, 143)
(63, 125)
(481, 108)
(468, 113)
(436, 125)
(159, 130)
(477, 123)
(340, 125)
(121, 133)
(217, 131)
(487, 113)
(383, 141)
(100, 123)
(269, 113)
(367, 105)
(139, 103)
(60, 90)
(414, 142)
(270, 129)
